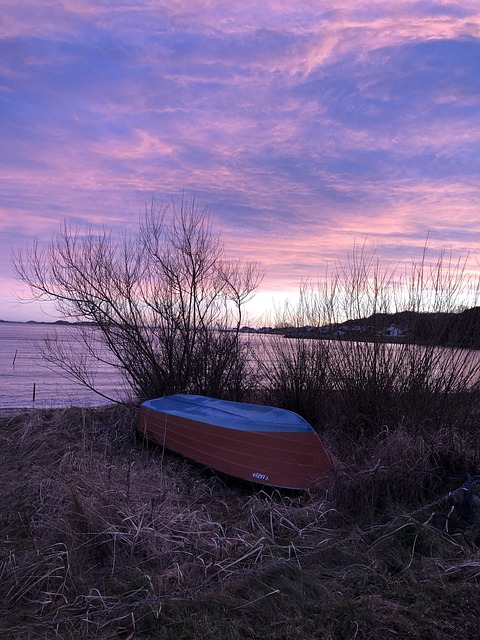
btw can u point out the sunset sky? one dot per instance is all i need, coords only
(304, 126)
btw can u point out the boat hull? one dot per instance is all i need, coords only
(294, 460)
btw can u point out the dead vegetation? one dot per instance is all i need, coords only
(104, 536)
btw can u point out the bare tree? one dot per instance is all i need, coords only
(165, 304)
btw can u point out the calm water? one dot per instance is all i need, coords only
(22, 366)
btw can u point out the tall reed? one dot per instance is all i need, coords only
(368, 348)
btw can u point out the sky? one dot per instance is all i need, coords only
(303, 126)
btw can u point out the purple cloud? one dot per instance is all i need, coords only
(302, 128)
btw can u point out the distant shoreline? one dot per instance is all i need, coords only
(62, 323)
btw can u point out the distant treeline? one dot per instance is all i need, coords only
(443, 329)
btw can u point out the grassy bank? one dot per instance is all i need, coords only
(104, 536)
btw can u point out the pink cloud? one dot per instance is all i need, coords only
(302, 127)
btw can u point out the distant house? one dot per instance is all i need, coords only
(394, 331)
(247, 330)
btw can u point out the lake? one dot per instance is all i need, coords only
(22, 366)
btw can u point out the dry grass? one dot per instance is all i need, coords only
(106, 537)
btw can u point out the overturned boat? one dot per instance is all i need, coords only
(252, 442)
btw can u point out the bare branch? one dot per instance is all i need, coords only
(164, 300)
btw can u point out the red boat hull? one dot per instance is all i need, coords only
(293, 460)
